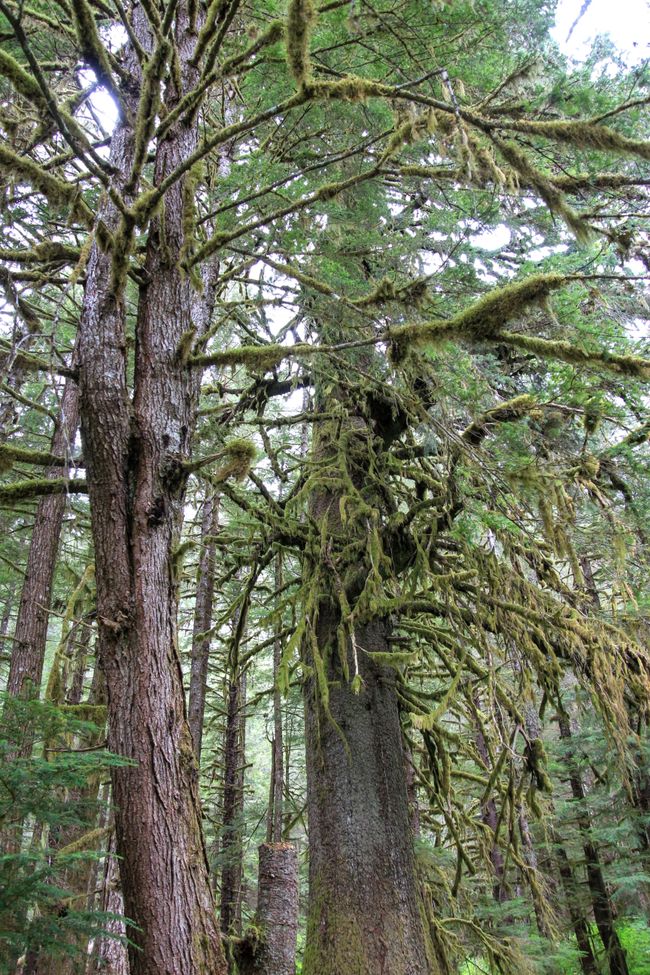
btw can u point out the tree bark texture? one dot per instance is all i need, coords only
(111, 956)
(30, 637)
(134, 454)
(203, 620)
(364, 914)
(273, 949)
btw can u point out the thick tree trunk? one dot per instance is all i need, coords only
(136, 479)
(203, 620)
(273, 951)
(364, 914)
(601, 903)
(232, 874)
(30, 637)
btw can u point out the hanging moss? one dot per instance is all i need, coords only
(301, 17)
(485, 318)
(586, 135)
(92, 48)
(550, 193)
(626, 365)
(58, 193)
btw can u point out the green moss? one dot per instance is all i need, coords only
(21, 80)
(586, 135)
(301, 17)
(27, 490)
(485, 318)
(58, 193)
(626, 365)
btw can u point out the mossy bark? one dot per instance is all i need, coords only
(364, 913)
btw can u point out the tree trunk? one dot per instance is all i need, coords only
(276, 796)
(30, 637)
(579, 923)
(273, 949)
(364, 913)
(136, 479)
(110, 956)
(203, 620)
(602, 907)
(233, 807)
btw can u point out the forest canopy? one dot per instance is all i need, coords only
(324, 491)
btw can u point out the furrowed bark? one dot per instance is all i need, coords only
(364, 914)
(136, 480)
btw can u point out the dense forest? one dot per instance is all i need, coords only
(324, 491)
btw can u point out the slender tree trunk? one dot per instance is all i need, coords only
(601, 903)
(579, 923)
(490, 818)
(276, 797)
(532, 874)
(203, 620)
(273, 951)
(233, 807)
(134, 455)
(30, 637)
(111, 956)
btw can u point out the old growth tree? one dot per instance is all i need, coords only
(291, 199)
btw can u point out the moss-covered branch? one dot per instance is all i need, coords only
(28, 490)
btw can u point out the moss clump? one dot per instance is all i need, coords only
(239, 455)
(301, 17)
(482, 320)
(22, 81)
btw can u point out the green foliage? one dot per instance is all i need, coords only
(35, 814)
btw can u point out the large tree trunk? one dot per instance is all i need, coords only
(364, 913)
(136, 479)
(30, 637)
(203, 620)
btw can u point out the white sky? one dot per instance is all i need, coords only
(626, 21)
